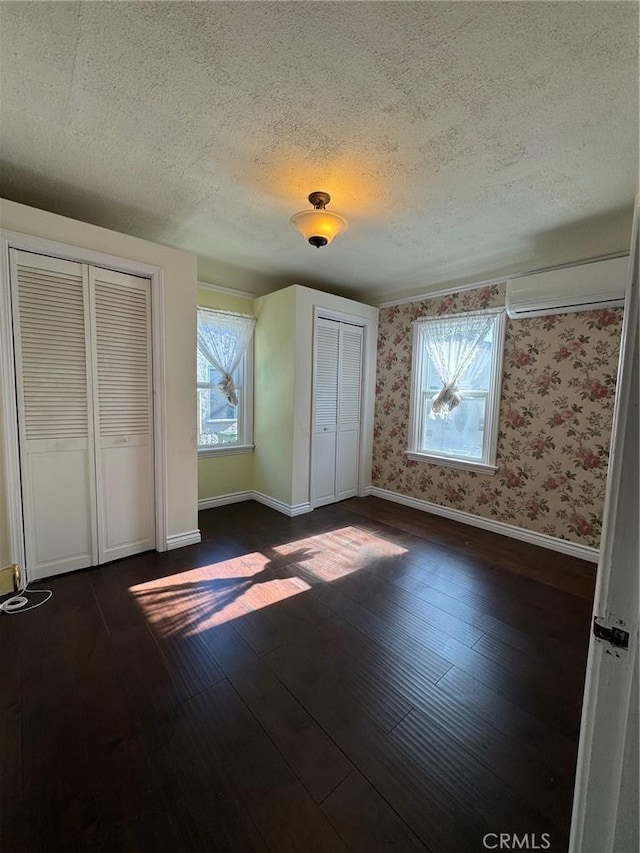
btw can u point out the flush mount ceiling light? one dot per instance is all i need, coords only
(319, 226)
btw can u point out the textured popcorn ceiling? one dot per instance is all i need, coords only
(459, 139)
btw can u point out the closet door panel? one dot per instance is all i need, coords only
(123, 413)
(350, 393)
(347, 468)
(325, 421)
(325, 468)
(60, 492)
(127, 469)
(53, 384)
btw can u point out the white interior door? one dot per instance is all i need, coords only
(55, 423)
(123, 410)
(337, 404)
(605, 807)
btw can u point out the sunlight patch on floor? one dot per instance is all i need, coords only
(199, 599)
(332, 555)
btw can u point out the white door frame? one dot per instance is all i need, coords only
(601, 807)
(367, 400)
(10, 439)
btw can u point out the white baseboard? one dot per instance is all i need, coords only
(563, 546)
(179, 540)
(223, 500)
(280, 506)
(236, 497)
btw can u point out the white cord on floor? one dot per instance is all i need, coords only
(18, 603)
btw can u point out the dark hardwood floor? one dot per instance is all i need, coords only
(365, 678)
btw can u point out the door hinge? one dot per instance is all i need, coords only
(618, 637)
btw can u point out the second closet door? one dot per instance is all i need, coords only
(337, 406)
(123, 407)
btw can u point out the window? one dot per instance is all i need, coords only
(455, 389)
(224, 409)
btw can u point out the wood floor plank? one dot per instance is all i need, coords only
(555, 749)
(403, 783)
(549, 698)
(505, 755)
(366, 822)
(365, 688)
(468, 782)
(314, 757)
(507, 626)
(11, 734)
(283, 811)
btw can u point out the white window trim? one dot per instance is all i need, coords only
(486, 465)
(225, 450)
(246, 409)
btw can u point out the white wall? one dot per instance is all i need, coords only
(179, 308)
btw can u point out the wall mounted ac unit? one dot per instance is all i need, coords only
(584, 287)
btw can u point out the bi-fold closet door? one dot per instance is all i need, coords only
(82, 339)
(337, 391)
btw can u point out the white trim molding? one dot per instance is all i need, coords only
(448, 289)
(445, 291)
(224, 450)
(237, 497)
(244, 294)
(281, 506)
(451, 462)
(563, 546)
(224, 500)
(180, 540)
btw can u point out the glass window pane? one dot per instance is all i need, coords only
(477, 376)
(461, 434)
(217, 420)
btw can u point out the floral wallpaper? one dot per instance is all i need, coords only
(555, 419)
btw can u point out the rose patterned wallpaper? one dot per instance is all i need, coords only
(555, 419)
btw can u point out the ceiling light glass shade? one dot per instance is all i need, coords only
(319, 224)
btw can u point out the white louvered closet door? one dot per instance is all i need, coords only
(55, 420)
(123, 410)
(337, 405)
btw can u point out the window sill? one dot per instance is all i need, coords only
(447, 462)
(225, 450)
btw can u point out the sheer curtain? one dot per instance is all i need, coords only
(452, 344)
(223, 338)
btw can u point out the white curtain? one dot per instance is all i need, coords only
(223, 338)
(452, 344)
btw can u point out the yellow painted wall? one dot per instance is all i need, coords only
(273, 422)
(180, 300)
(224, 301)
(225, 474)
